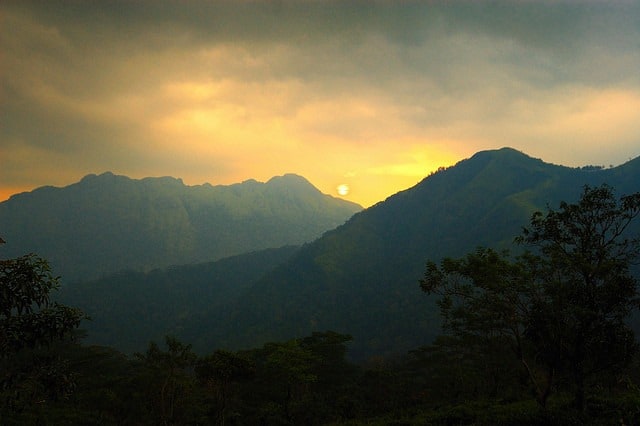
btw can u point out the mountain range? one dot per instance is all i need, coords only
(362, 278)
(107, 223)
(130, 308)
(359, 278)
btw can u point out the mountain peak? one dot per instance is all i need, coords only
(292, 182)
(368, 268)
(93, 176)
(502, 154)
(84, 228)
(289, 178)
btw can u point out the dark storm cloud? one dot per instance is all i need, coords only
(109, 84)
(562, 41)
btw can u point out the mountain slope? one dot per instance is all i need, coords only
(107, 223)
(362, 278)
(131, 308)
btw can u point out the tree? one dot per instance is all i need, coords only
(562, 306)
(218, 372)
(486, 298)
(329, 349)
(29, 323)
(170, 379)
(330, 399)
(584, 256)
(302, 380)
(289, 368)
(28, 317)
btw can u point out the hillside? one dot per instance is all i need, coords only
(164, 301)
(362, 278)
(108, 223)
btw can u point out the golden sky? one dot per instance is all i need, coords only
(371, 94)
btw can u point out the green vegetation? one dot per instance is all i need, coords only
(308, 381)
(131, 308)
(360, 277)
(108, 223)
(538, 339)
(29, 324)
(561, 310)
(542, 336)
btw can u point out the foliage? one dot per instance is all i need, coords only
(218, 373)
(113, 389)
(589, 290)
(487, 297)
(455, 369)
(30, 325)
(28, 317)
(300, 381)
(169, 380)
(561, 309)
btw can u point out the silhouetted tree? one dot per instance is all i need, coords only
(218, 371)
(582, 264)
(30, 322)
(170, 380)
(563, 306)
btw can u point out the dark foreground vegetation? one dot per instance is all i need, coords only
(539, 338)
(303, 382)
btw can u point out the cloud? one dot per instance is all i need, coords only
(224, 91)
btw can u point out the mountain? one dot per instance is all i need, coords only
(106, 223)
(130, 308)
(362, 278)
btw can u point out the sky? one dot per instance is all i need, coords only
(362, 98)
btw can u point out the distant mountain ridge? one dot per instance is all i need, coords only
(362, 277)
(105, 223)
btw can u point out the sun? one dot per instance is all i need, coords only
(343, 189)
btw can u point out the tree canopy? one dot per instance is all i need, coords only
(29, 323)
(562, 305)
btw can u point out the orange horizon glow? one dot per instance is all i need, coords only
(376, 101)
(363, 190)
(8, 192)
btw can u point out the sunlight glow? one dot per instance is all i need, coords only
(343, 189)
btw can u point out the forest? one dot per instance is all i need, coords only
(541, 336)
